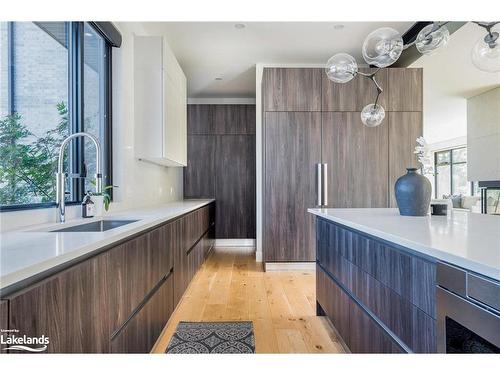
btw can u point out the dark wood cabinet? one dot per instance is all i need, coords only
(292, 89)
(140, 332)
(292, 150)
(4, 319)
(200, 120)
(405, 90)
(354, 95)
(119, 300)
(69, 309)
(199, 175)
(235, 190)
(404, 129)
(362, 163)
(366, 336)
(391, 284)
(221, 165)
(357, 158)
(234, 119)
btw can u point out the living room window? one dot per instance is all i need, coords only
(451, 173)
(55, 80)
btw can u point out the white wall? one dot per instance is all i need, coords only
(483, 136)
(450, 79)
(140, 184)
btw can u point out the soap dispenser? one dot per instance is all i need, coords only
(88, 206)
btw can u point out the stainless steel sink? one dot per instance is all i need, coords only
(96, 226)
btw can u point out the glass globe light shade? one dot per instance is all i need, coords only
(372, 115)
(341, 68)
(486, 56)
(382, 47)
(429, 41)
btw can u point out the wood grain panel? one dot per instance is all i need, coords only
(334, 302)
(4, 319)
(235, 188)
(357, 158)
(292, 89)
(142, 331)
(365, 336)
(396, 287)
(63, 308)
(404, 129)
(200, 119)
(199, 175)
(219, 165)
(354, 95)
(405, 89)
(292, 150)
(423, 279)
(234, 119)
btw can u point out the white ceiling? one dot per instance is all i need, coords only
(207, 50)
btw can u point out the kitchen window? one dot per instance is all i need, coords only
(451, 173)
(55, 80)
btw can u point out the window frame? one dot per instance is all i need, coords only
(76, 113)
(451, 163)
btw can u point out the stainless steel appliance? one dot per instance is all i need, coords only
(468, 312)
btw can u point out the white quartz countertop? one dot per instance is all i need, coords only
(467, 240)
(33, 251)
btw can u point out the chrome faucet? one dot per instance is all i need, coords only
(60, 175)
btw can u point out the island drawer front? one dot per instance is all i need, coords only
(358, 329)
(452, 278)
(484, 291)
(412, 277)
(403, 306)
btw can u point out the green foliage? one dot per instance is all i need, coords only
(28, 162)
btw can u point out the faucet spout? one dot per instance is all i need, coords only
(60, 175)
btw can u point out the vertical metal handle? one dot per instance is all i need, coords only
(324, 188)
(319, 176)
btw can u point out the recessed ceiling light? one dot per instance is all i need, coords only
(240, 25)
(338, 26)
(88, 34)
(218, 78)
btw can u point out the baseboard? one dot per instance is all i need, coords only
(235, 242)
(290, 266)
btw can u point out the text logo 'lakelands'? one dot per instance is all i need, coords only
(25, 343)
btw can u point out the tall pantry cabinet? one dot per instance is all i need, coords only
(307, 120)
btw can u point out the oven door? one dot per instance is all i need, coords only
(464, 326)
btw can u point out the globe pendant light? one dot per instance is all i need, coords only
(341, 68)
(486, 53)
(432, 37)
(372, 115)
(382, 47)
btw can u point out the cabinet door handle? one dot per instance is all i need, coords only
(319, 184)
(324, 187)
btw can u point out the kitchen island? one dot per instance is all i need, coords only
(378, 272)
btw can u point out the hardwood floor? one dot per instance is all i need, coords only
(232, 286)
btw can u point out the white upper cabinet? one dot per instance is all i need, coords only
(160, 103)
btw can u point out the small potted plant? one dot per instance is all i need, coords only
(102, 200)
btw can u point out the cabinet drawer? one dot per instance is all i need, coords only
(484, 290)
(365, 336)
(142, 330)
(334, 302)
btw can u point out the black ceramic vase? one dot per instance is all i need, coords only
(413, 193)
